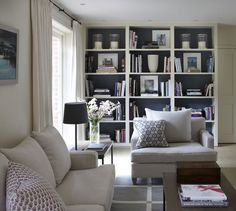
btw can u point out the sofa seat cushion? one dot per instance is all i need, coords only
(29, 153)
(85, 207)
(92, 186)
(192, 151)
(55, 148)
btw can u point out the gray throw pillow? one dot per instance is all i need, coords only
(151, 133)
(27, 190)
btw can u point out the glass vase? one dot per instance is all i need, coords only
(94, 132)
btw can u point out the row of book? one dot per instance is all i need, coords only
(178, 89)
(133, 87)
(165, 88)
(119, 88)
(202, 195)
(120, 136)
(133, 110)
(136, 63)
(133, 39)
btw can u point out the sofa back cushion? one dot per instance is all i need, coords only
(3, 173)
(27, 190)
(178, 123)
(29, 153)
(197, 124)
(56, 150)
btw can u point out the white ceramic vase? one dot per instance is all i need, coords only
(153, 61)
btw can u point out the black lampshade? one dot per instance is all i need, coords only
(75, 113)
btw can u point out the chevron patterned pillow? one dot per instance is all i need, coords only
(151, 133)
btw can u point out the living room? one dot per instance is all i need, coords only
(150, 62)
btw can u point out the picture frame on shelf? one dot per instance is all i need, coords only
(102, 57)
(149, 85)
(9, 42)
(192, 62)
(162, 37)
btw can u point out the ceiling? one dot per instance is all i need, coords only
(220, 11)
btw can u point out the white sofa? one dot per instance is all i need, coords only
(151, 162)
(82, 185)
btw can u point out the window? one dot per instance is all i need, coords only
(57, 93)
(61, 75)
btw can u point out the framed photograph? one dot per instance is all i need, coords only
(8, 55)
(108, 59)
(149, 84)
(162, 37)
(192, 62)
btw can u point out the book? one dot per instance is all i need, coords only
(98, 147)
(201, 203)
(202, 192)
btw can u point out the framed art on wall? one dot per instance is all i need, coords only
(192, 62)
(149, 85)
(8, 55)
(162, 37)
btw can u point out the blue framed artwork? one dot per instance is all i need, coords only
(8, 55)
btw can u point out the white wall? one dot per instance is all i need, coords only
(15, 100)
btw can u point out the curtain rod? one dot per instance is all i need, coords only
(62, 10)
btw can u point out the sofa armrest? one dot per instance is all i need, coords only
(206, 139)
(83, 160)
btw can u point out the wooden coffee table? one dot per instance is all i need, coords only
(171, 200)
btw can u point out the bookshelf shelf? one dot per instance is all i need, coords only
(133, 60)
(149, 49)
(148, 73)
(105, 50)
(102, 74)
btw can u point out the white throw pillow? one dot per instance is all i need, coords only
(55, 148)
(27, 190)
(178, 123)
(29, 153)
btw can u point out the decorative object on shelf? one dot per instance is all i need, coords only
(192, 62)
(202, 41)
(153, 60)
(96, 113)
(209, 90)
(162, 37)
(149, 85)
(114, 41)
(133, 39)
(185, 39)
(97, 41)
(107, 63)
(75, 113)
(8, 55)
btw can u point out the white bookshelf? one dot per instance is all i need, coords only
(172, 51)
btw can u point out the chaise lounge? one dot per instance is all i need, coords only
(151, 162)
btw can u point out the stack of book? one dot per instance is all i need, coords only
(193, 92)
(101, 93)
(133, 39)
(106, 69)
(119, 89)
(150, 45)
(105, 138)
(108, 117)
(136, 63)
(202, 196)
(120, 136)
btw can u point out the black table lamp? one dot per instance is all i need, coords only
(75, 113)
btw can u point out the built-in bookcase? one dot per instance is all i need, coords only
(132, 71)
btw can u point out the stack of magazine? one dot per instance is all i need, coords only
(202, 196)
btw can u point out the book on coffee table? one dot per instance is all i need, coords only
(97, 147)
(202, 196)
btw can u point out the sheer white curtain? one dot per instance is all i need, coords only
(42, 63)
(73, 80)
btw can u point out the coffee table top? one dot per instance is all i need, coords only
(172, 198)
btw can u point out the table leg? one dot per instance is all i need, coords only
(164, 200)
(102, 160)
(112, 154)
